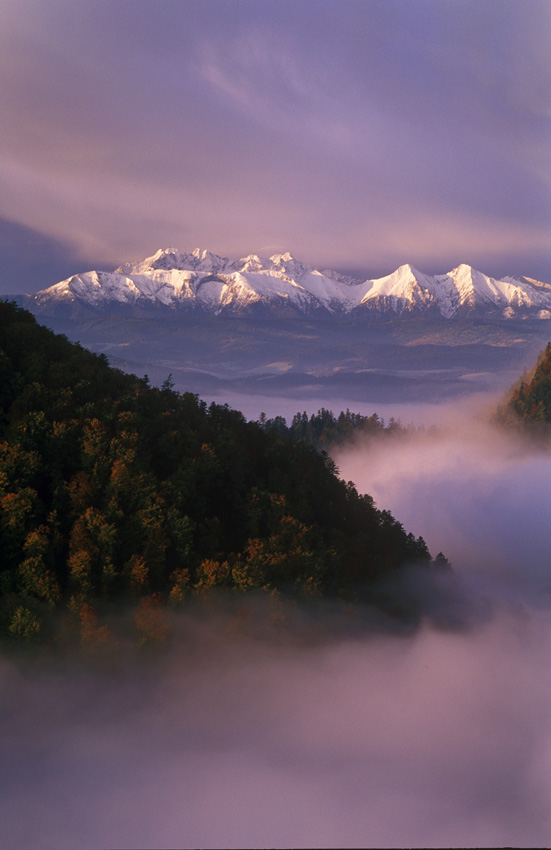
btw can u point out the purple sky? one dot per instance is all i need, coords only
(357, 135)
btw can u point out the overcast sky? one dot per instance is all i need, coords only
(357, 134)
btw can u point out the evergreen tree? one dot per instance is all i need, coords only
(114, 490)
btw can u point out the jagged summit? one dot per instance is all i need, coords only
(281, 285)
(170, 258)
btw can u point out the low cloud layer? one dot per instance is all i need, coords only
(441, 739)
(346, 736)
(472, 491)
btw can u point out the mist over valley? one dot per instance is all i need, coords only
(328, 363)
(289, 724)
(320, 735)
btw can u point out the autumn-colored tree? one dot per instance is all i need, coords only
(151, 621)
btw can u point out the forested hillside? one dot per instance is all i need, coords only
(531, 400)
(113, 490)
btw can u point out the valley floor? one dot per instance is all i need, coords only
(406, 360)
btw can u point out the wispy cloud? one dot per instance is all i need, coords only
(276, 83)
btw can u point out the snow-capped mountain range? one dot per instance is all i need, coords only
(283, 286)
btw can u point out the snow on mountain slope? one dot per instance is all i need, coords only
(408, 289)
(476, 288)
(169, 258)
(283, 285)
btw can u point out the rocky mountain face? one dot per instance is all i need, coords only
(282, 286)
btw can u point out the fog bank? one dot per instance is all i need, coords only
(293, 737)
(421, 412)
(442, 739)
(480, 495)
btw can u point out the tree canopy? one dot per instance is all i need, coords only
(529, 404)
(325, 431)
(114, 490)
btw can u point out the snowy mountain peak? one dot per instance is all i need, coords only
(170, 258)
(407, 270)
(253, 263)
(465, 272)
(207, 261)
(288, 264)
(280, 259)
(462, 268)
(282, 285)
(474, 286)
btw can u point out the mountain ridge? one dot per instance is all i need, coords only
(281, 285)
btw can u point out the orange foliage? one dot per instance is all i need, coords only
(150, 621)
(93, 636)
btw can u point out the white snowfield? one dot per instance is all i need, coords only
(202, 280)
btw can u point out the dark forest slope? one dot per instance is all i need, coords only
(531, 401)
(111, 489)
